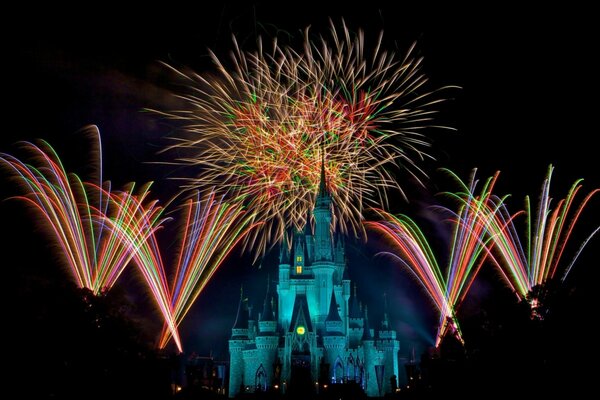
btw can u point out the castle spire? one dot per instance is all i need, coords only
(334, 314)
(323, 197)
(241, 320)
(308, 226)
(323, 182)
(322, 213)
(367, 329)
(385, 323)
(267, 312)
(284, 252)
(354, 305)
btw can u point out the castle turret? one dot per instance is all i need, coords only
(355, 313)
(355, 321)
(237, 343)
(284, 253)
(240, 327)
(284, 295)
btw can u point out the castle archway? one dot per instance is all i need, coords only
(338, 371)
(351, 373)
(300, 377)
(260, 379)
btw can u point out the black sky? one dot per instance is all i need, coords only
(529, 81)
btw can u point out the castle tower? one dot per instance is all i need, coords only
(355, 321)
(334, 342)
(318, 334)
(389, 345)
(322, 213)
(372, 359)
(267, 342)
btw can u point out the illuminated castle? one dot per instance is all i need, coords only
(318, 335)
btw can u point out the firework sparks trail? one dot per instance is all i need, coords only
(212, 229)
(409, 246)
(260, 130)
(138, 228)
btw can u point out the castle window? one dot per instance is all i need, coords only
(298, 269)
(299, 259)
(300, 330)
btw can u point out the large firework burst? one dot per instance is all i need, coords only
(260, 130)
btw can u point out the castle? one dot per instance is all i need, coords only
(319, 335)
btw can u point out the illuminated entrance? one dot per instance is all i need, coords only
(300, 374)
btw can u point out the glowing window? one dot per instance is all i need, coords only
(298, 269)
(300, 330)
(299, 259)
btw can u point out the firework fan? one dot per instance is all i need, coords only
(260, 130)
(471, 226)
(75, 213)
(525, 264)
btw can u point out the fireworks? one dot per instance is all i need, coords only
(260, 132)
(98, 241)
(468, 251)
(75, 214)
(211, 230)
(546, 236)
(410, 247)
(139, 234)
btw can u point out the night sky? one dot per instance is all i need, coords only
(528, 98)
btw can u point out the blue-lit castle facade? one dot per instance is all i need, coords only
(313, 333)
